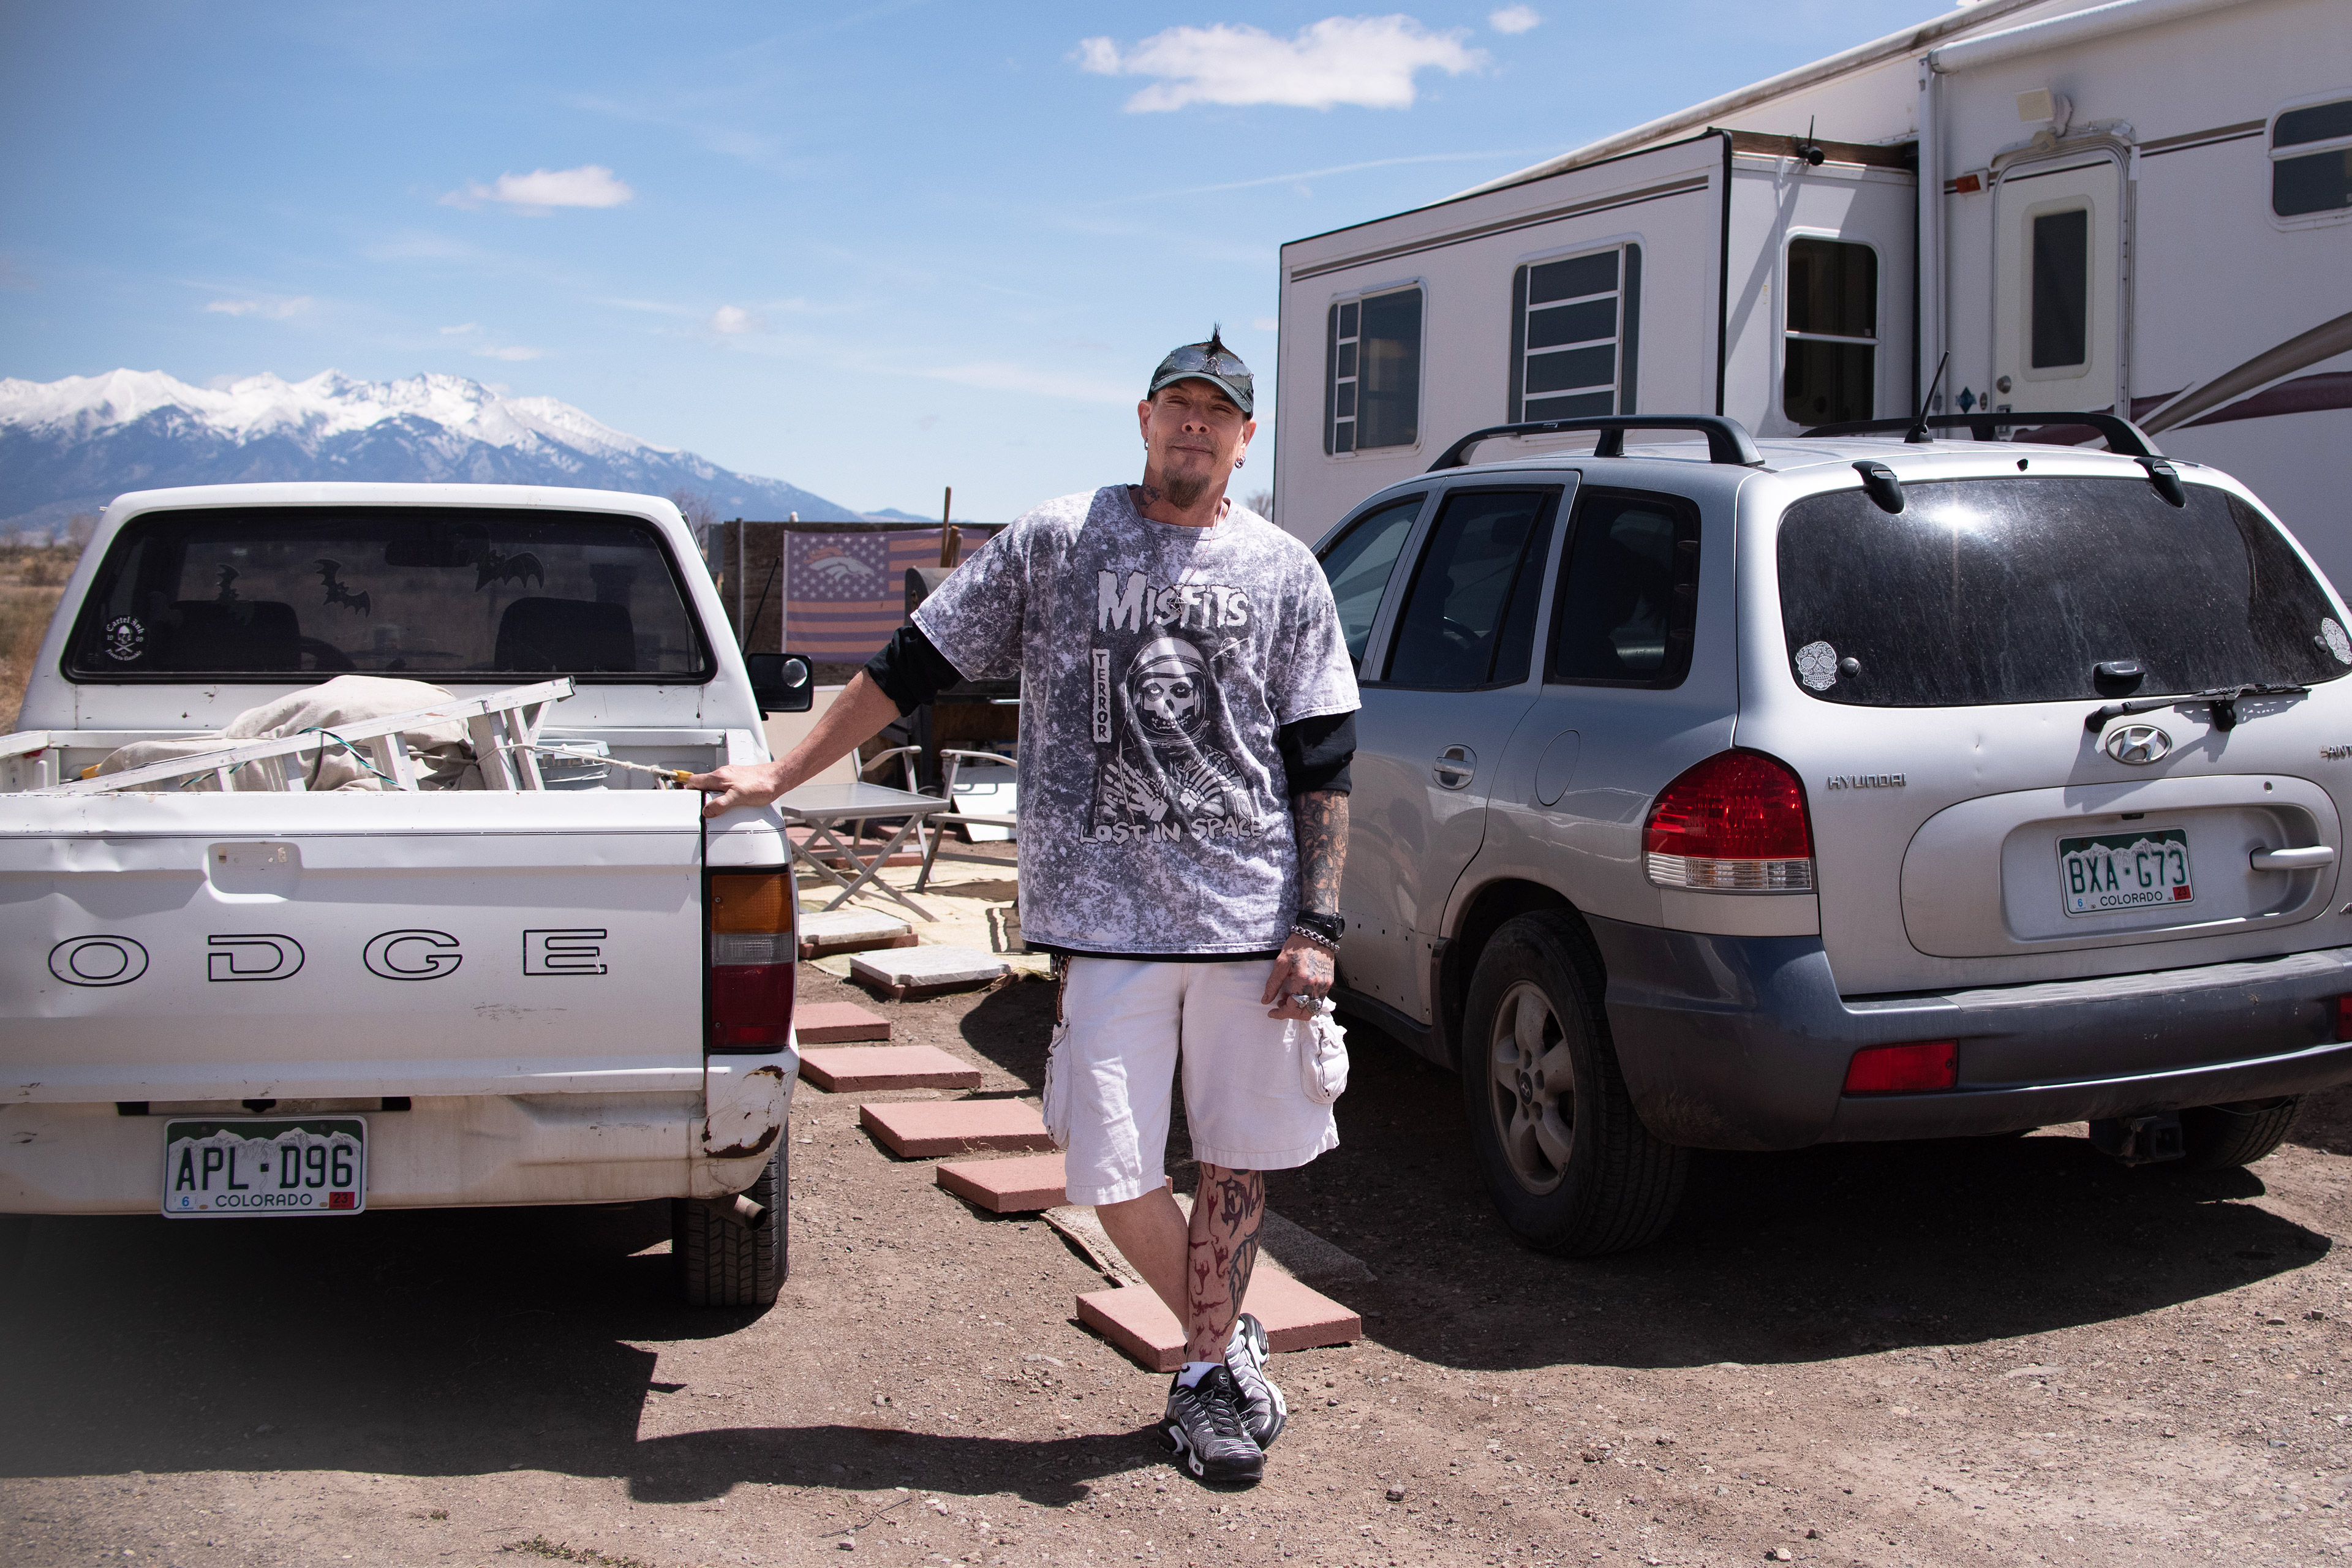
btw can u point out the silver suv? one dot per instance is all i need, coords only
(1851, 787)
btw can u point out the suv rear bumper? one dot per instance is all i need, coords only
(1743, 1042)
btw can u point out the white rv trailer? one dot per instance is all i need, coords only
(2143, 206)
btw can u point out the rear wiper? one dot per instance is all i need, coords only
(2222, 699)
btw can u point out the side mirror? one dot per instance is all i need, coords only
(781, 682)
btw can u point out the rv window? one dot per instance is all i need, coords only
(1574, 326)
(1469, 617)
(1358, 567)
(1830, 366)
(1628, 592)
(2311, 159)
(2061, 288)
(1372, 383)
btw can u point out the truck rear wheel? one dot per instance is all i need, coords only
(1567, 1162)
(2216, 1136)
(721, 1261)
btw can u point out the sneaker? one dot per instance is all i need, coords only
(1203, 1424)
(1262, 1409)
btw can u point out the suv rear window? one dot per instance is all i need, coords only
(1987, 591)
(440, 594)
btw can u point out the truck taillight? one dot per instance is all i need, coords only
(1734, 823)
(753, 955)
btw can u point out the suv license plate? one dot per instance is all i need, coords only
(2124, 872)
(217, 1166)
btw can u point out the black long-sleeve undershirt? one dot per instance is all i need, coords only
(1316, 752)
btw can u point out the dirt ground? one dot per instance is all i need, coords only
(1990, 1352)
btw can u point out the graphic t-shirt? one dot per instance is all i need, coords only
(1156, 664)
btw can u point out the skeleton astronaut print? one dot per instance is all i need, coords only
(1172, 766)
(1157, 665)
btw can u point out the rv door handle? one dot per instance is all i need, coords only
(2309, 858)
(1454, 768)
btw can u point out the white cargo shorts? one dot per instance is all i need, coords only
(1123, 1028)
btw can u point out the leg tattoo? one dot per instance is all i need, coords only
(1226, 1211)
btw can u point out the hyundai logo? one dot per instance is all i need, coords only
(2137, 743)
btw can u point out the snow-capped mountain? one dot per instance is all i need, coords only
(74, 444)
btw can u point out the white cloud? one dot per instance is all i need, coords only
(511, 352)
(733, 321)
(1267, 323)
(460, 331)
(543, 190)
(1369, 61)
(1514, 20)
(268, 310)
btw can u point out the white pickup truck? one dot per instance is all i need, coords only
(223, 994)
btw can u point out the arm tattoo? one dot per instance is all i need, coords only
(1321, 817)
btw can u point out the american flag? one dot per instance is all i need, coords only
(849, 590)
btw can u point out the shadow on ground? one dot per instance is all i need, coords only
(1810, 1256)
(462, 1342)
(424, 1343)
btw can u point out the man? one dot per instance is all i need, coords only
(1186, 725)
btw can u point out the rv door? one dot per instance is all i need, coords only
(2061, 286)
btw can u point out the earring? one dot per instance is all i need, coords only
(1237, 462)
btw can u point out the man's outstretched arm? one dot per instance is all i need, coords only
(858, 714)
(904, 676)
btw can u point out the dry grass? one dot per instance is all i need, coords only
(32, 576)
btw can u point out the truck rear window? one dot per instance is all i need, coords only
(1986, 591)
(440, 594)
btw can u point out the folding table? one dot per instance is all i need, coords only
(822, 807)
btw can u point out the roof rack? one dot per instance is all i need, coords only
(2121, 435)
(1727, 440)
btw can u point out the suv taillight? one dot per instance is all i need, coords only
(1734, 823)
(752, 956)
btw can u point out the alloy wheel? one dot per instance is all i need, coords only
(1531, 1087)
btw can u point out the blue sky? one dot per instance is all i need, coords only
(873, 249)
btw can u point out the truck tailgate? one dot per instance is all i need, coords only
(206, 947)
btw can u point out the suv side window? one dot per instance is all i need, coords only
(1468, 619)
(1359, 565)
(1628, 592)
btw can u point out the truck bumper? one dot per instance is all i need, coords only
(444, 1152)
(1743, 1042)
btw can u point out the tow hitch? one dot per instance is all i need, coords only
(2140, 1140)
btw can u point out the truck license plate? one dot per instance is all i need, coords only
(219, 1166)
(2124, 872)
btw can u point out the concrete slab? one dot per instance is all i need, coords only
(1028, 1185)
(857, 1069)
(837, 1023)
(905, 973)
(1296, 1318)
(922, 1130)
(851, 930)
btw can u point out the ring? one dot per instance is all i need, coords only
(1304, 999)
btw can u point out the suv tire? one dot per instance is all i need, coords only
(2217, 1137)
(1567, 1162)
(720, 1261)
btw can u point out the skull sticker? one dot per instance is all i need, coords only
(1817, 666)
(125, 639)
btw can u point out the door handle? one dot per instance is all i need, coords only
(2308, 859)
(1454, 768)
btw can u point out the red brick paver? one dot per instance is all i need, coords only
(1024, 1186)
(918, 1130)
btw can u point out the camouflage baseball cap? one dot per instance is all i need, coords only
(1211, 362)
